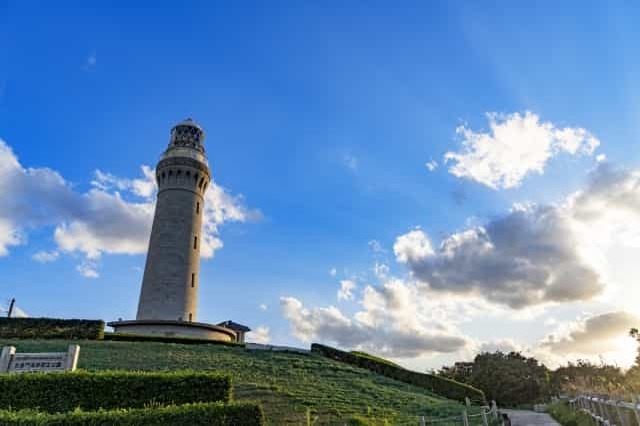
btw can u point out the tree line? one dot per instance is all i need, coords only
(512, 379)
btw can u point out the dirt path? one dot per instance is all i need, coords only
(529, 418)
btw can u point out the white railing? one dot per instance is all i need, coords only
(607, 411)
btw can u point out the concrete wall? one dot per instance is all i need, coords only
(172, 270)
(169, 330)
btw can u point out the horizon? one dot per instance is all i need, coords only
(420, 183)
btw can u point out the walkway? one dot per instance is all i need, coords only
(529, 418)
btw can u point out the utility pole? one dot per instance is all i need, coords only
(13, 302)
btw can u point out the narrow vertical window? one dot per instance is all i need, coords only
(190, 317)
(195, 242)
(193, 279)
(197, 207)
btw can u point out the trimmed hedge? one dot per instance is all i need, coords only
(126, 337)
(51, 328)
(210, 414)
(59, 392)
(374, 358)
(438, 385)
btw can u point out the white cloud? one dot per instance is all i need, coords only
(581, 248)
(515, 146)
(431, 165)
(114, 217)
(394, 321)
(376, 247)
(346, 290)
(87, 269)
(46, 256)
(592, 335)
(16, 313)
(333, 272)
(412, 246)
(259, 335)
(381, 271)
(501, 345)
(9, 236)
(263, 307)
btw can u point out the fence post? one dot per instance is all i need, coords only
(634, 399)
(621, 415)
(494, 409)
(465, 418)
(485, 422)
(5, 358)
(72, 357)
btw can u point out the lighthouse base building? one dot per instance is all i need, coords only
(169, 294)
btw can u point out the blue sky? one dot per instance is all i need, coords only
(322, 117)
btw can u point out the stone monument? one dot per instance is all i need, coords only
(169, 295)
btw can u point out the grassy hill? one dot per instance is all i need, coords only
(295, 389)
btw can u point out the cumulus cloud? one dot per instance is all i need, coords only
(392, 322)
(500, 345)
(46, 256)
(431, 165)
(263, 307)
(113, 217)
(88, 269)
(515, 146)
(592, 335)
(333, 272)
(381, 271)
(526, 257)
(259, 335)
(346, 290)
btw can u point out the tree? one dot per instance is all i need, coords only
(510, 379)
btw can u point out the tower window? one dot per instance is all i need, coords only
(190, 317)
(193, 279)
(197, 207)
(195, 242)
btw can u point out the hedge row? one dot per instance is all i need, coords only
(126, 337)
(438, 385)
(59, 392)
(210, 414)
(51, 328)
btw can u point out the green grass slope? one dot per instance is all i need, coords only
(294, 389)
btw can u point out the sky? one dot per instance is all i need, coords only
(422, 180)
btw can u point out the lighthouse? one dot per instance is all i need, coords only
(168, 301)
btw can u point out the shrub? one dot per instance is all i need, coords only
(210, 414)
(566, 416)
(438, 385)
(51, 328)
(126, 337)
(59, 392)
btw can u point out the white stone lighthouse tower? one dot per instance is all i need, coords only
(170, 283)
(169, 296)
